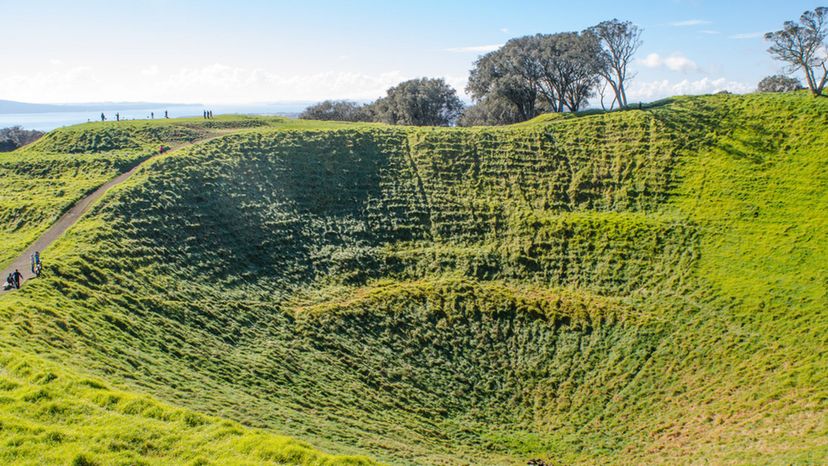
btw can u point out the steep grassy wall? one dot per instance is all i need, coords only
(641, 286)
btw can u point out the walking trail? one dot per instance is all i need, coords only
(23, 263)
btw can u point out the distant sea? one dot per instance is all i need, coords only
(47, 121)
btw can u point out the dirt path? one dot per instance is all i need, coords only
(23, 263)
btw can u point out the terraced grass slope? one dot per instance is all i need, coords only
(645, 286)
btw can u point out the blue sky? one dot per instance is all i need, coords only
(262, 51)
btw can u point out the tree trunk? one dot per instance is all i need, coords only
(809, 79)
(822, 81)
(622, 95)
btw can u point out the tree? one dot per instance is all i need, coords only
(577, 63)
(419, 102)
(803, 47)
(14, 137)
(502, 76)
(337, 110)
(619, 41)
(778, 83)
(490, 110)
(555, 71)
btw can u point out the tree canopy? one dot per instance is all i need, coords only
(553, 72)
(337, 110)
(14, 137)
(416, 102)
(778, 83)
(419, 102)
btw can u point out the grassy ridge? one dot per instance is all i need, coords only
(50, 416)
(643, 286)
(38, 186)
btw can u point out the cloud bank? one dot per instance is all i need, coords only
(674, 62)
(654, 90)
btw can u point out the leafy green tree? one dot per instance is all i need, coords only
(337, 110)
(491, 110)
(569, 65)
(507, 74)
(778, 83)
(555, 71)
(802, 46)
(419, 102)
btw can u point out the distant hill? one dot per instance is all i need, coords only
(11, 106)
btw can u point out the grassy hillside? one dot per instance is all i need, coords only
(51, 416)
(645, 286)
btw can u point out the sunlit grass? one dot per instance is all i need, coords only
(644, 286)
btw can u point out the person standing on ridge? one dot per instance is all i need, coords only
(16, 277)
(166, 115)
(152, 115)
(117, 116)
(103, 117)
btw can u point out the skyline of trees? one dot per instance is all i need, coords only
(561, 72)
(416, 102)
(553, 72)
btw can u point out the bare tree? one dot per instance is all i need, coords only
(619, 42)
(602, 93)
(803, 47)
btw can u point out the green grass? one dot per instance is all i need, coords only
(51, 416)
(644, 286)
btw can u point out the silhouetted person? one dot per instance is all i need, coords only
(205, 114)
(117, 116)
(152, 115)
(16, 277)
(166, 115)
(103, 117)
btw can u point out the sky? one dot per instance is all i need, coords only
(249, 51)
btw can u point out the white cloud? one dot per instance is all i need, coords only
(216, 83)
(43, 86)
(475, 48)
(711, 32)
(151, 70)
(674, 62)
(689, 22)
(647, 91)
(747, 35)
(56, 61)
(504, 30)
(652, 60)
